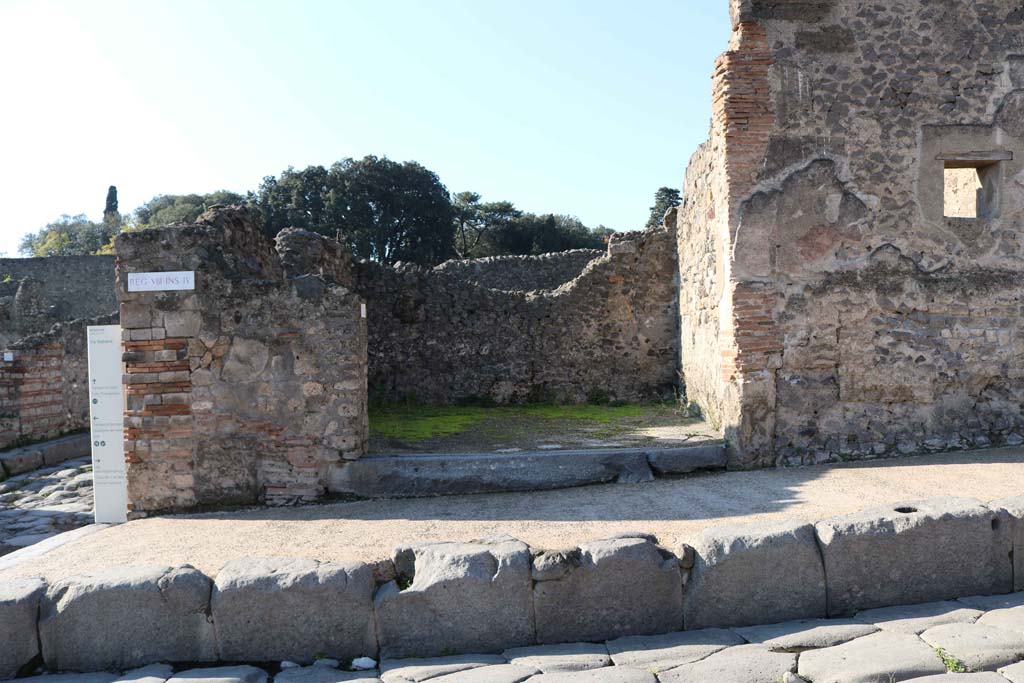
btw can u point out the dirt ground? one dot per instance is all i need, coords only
(510, 429)
(672, 509)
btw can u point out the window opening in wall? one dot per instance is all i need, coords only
(971, 184)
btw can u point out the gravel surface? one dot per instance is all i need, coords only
(672, 509)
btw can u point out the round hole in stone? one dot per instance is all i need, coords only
(905, 510)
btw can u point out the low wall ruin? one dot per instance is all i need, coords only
(522, 273)
(610, 333)
(250, 387)
(36, 293)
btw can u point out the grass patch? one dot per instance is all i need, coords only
(953, 665)
(419, 423)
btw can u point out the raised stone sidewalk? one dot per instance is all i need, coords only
(972, 639)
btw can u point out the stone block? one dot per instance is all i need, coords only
(416, 670)
(934, 549)
(730, 585)
(979, 647)
(182, 323)
(806, 634)
(324, 674)
(21, 460)
(1014, 508)
(747, 663)
(126, 617)
(221, 674)
(19, 612)
(711, 456)
(474, 596)
(614, 674)
(272, 609)
(877, 658)
(561, 657)
(410, 476)
(669, 650)
(154, 673)
(65, 448)
(918, 618)
(625, 586)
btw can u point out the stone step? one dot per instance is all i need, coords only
(441, 474)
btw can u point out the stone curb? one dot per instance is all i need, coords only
(53, 452)
(448, 598)
(413, 476)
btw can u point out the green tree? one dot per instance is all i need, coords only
(664, 199)
(111, 218)
(67, 236)
(476, 220)
(383, 210)
(167, 209)
(533, 234)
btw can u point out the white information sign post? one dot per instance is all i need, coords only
(106, 418)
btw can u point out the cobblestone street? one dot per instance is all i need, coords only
(37, 505)
(973, 640)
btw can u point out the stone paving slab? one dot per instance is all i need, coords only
(978, 647)
(618, 674)
(877, 658)
(983, 677)
(918, 618)
(806, 634)
(417, 670)
(747, 663)
(1011, 618)
(1013, 673)
(667, 651)
(324, 674)
(561, 658)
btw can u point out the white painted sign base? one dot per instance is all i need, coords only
(106, 420)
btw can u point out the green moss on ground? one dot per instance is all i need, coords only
(419, 423)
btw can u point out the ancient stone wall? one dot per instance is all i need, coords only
(610, 333)
(249, 387)
(868, 319)
(43, 387)
(35, 293)
(522, 273)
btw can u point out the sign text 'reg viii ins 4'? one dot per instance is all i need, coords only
(159, 282)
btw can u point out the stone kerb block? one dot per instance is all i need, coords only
(756, 574)
(464, 597)
(19, 612)
(607, 589)
(929, 550)
(126, 617)
(1013, 508)
(292, 609)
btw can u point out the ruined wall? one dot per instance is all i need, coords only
(35, 293)
(865, 321)
(522, 273)
(610, 333)
(250, 387)
(43, 388)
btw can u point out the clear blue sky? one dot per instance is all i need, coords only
(582, 107)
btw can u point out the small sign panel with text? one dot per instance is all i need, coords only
(161, 282)
(106, 421)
